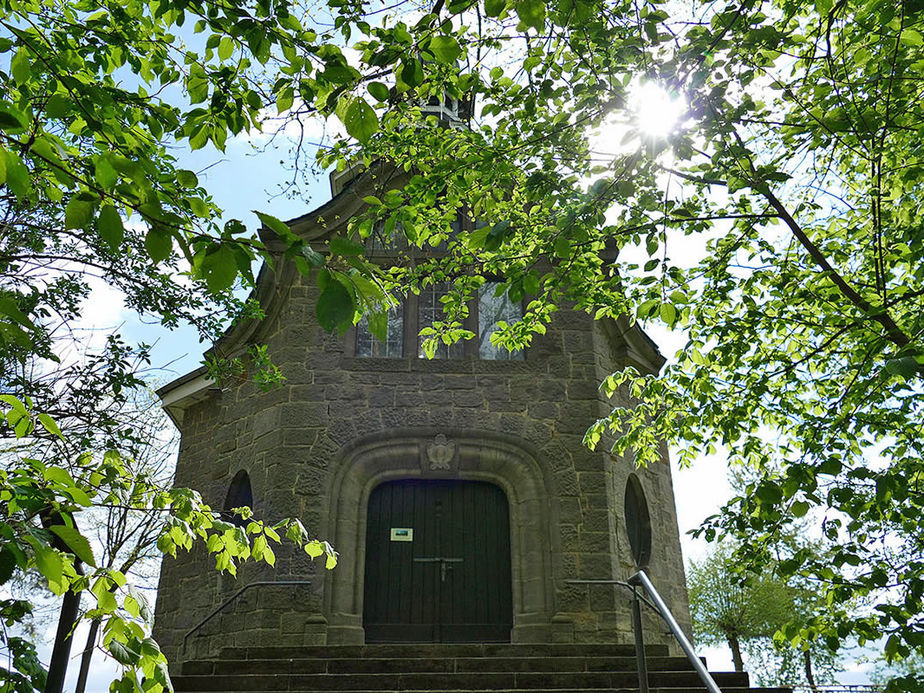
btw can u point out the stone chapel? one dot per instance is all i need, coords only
(456, 489)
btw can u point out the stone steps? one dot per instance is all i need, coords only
(447, 665)
(419, 650)
(463, 668)
(480, 681)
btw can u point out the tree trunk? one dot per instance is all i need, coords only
(809, 676)
(736, 651)
(86, 656)
(57, 666)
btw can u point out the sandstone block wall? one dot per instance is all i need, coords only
(315, 447)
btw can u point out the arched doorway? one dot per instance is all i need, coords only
(497, 459)
(437, 563)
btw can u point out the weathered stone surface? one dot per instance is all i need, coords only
(316, 446)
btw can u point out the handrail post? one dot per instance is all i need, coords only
(642, 664)
(641, 579)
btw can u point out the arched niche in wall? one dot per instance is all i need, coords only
(240, 493)
(638, 522)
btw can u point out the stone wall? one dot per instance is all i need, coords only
(315, 447)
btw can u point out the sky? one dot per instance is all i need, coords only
(243, 179)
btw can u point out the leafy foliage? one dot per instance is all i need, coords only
(903, 674)
(795, 167)
(750, 613)
(89, 190)
(42, 503)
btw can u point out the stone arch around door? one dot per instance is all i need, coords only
(433, 454)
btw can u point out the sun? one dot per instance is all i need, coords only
(651, 113)
(657, 111)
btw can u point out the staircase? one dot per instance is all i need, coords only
(457, 668)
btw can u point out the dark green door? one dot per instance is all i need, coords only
(437, 563)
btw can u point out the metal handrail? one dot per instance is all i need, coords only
(641, 578)
(657, 604)
(224, 604)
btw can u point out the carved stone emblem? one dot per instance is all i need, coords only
(441, 452)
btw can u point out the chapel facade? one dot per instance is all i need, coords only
(456, 489)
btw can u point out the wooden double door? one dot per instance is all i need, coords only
(437, 563)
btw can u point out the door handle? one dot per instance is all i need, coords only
(443, 561)
(437, 559)
(444, 566)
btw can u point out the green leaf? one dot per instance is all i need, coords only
(271, 222)
(668, 313)
(378, 91)
(76, 542)
(360, 120)
(120, 651)
(445, 49)
(20, 67)
(162, 674)
(225, 48)
(187, 179)
(314, 258)
(17, 176)
(344, 246)
(51, 566)
(562, 247)
(50, 425)
(11, 120)
(7, 565)
(378, 324)
(158, 243)
(219, 268)
(104, 173)
(905, 367)
(197, 84)
(411, 72)
(12, 400)
(285, 98)
(494, 8)
(199, 207)
(531, 13)
(912, 37)
(131, 606)
(79, 213)
(79, 496)
(335, 306)
(10, 309)
(109, 227)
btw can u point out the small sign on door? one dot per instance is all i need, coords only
(402, 534)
